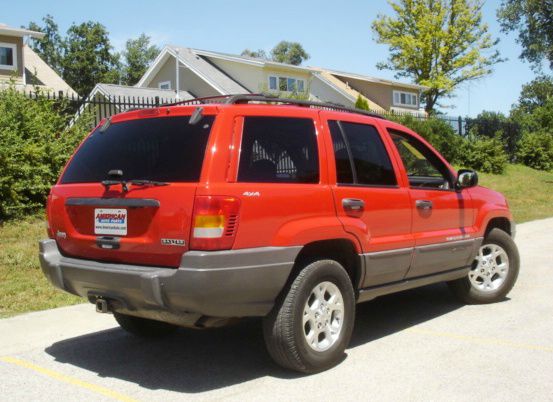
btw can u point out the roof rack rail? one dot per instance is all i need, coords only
(270, 98)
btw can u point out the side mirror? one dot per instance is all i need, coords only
(466, 178)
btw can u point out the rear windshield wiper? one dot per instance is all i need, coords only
(144, 182)
(136, 182)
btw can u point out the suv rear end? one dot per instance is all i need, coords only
(141, 222)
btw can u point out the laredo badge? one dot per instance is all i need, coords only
(173, 242)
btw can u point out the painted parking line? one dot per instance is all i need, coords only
(483, 340)
(68, 379)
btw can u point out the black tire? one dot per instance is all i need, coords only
(467, 293)
(283, 328)
(144, 327)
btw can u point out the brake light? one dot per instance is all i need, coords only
(214, 222)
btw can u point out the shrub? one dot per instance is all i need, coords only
(495, 124)
(361, 103)
(483, 154)
(536, 150)
(34, 145)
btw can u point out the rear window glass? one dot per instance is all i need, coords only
(163, 149)
(278, 150)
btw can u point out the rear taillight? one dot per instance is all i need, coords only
(49, 230)
(214, 222)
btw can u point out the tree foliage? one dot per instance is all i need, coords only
(50, 47)
(283, 52)
(137, 57)
(362, 103)
(533, 19)
(289, 52)
(258, 54)
(88, 57)
(536, 93)
(437, 43)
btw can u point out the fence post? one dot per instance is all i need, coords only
(157, 100)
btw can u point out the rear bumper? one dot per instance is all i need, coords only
(233, 283)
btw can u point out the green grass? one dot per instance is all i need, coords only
(528, 191)
(23, 287)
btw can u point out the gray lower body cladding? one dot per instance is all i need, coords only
(234, 283)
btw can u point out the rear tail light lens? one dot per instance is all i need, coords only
(214, 222)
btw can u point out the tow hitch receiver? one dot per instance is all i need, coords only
(102, 306)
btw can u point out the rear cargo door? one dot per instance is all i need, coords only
(127, 194)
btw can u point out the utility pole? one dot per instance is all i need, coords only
(177, 83)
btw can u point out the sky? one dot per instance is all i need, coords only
(336, 37)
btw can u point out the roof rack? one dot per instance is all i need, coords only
(270, 98)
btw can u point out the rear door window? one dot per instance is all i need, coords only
(278, 150)
(164, 149)
(361, 157)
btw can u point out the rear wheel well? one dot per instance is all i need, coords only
(340, 250)
(499, 223)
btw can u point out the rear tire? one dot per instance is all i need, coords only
(311, 325)
(144, 327)
(493, 273)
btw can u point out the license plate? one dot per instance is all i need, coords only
(109, 221)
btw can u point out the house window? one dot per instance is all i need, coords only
(286, 84)
(164, 85)
(405, 99)
(8, 56)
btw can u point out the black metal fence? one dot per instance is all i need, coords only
(102, 105)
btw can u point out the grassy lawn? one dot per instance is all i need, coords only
(529, 191)
(24, 288)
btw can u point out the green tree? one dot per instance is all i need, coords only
(258, 54)
(289, 52)
(437, 43)
(50, 47)
(536, 93)
(533, 19)
(88, 57)
(138, 55)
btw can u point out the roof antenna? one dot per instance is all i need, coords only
(105, 126)
(197, 116)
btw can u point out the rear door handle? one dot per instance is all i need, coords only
(423, 204)
(353, 204)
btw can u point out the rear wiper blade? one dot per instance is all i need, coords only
(108, 183)
(144, 182)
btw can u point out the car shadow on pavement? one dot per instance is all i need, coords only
(195, 361)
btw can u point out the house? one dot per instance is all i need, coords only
(22, 67)
(204, 73)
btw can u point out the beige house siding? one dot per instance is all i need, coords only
(323, 92)
(249, 76)
(382, 94)
(189, 81)
(18, 74)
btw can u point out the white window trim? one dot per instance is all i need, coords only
(12, 46)
(162, 83)
(404, 104)
(277, 76)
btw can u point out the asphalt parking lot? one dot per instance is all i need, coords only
(417, 345)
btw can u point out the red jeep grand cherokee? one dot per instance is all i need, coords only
(196, 213)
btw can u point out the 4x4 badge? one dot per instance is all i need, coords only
(173, 242)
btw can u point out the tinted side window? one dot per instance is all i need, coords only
(162, 148)
(424, 168)
(361, 157)
(278, 150)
